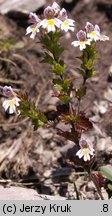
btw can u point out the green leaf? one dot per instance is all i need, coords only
(42, 117)
(81, 92)
(88, 58)
(27, 108)
(58, 69)
(67, 84)
(107, 171)
(58, 84)
(63, 85)
(89, 64)
(51, 43)
(48, 58)
(109, 186)
(64, 98)
(89, 73)
(37, 123)
(19, 45)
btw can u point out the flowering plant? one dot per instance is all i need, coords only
(50, 29)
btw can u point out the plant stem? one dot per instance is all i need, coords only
(77, 193)
(94, 180)
(78, 106)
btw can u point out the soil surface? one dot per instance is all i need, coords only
(35, 159)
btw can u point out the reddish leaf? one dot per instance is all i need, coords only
(68, 135)
(64, 108)
(83, 122)
(100, 179)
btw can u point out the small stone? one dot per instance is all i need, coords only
(45, 133)
(95, 118)
(105, 144)
(47, 173)
(100, 107)
(90, 186)
(108, 95)
(52, 144)
(105, 194)
(47, 158)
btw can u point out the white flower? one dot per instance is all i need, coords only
(93, 32)
(11, 104)
(82, 40)
(34, 28)
(56, 8)
(67, 24)
(85, 151)
(50, 24)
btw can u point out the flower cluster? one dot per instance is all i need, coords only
(91, 33)
(54, 19)
(11, 101)
(85, 151)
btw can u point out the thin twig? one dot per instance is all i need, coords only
(77, 193)
(4, 80)
(8, 60)
(40, 94)
(14, 124)
(25, 60)
(78, 106)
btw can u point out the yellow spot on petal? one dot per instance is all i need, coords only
(82, 42)
(51, 22)
(34, 29)
(93, 33)
(65, 23)
(86, 151)
(11, 103)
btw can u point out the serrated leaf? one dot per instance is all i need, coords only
(37, 123)
(63, 85)
(81, 92)
(83, 122)
(58, 84)
(50, 42)
(89, 73)
(64, 98)
(58, 69)
(48, 58)
(42, 117)
(27, 108)
(67, 84)
(89, 64)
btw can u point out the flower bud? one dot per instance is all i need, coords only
(83, 144)
(8, 92)
(63, 14)
(56, 8)
(33, 18)
(81, 35)
(49, 12)
(89, 27)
